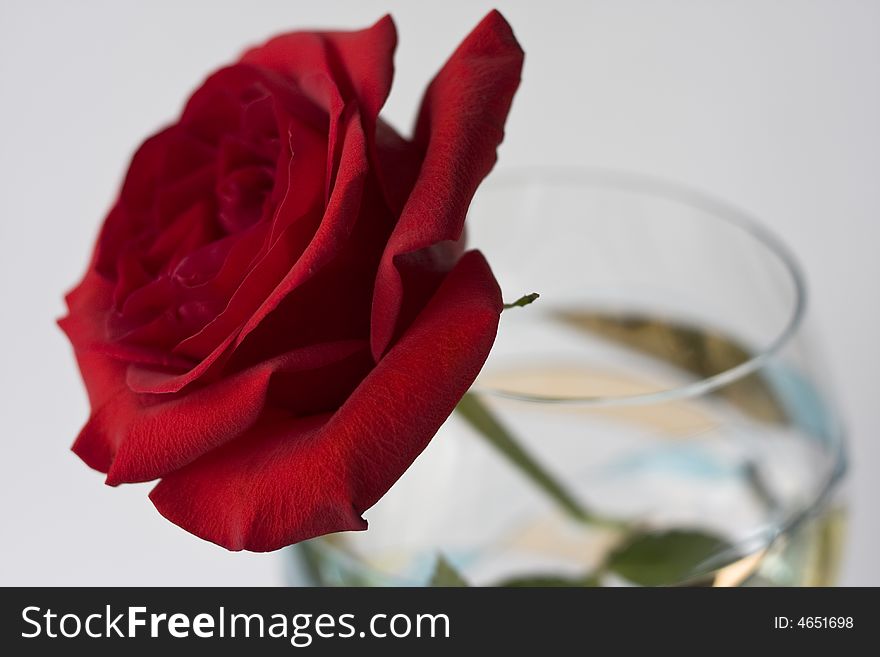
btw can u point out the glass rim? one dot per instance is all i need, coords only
(719, 210)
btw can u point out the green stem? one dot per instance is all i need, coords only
(524, 300)
(759, 487)
(488, 426)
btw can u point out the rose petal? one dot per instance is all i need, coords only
(460, 126)
(336, 69)
(87, 305)
(360, 62)
(290, 480)
(129, 214)
(396, 163)
(148, 436)
(269, 282)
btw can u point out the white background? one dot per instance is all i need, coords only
(774, 106)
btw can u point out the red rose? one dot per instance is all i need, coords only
(278, 315)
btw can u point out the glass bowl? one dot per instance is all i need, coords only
(662, 384)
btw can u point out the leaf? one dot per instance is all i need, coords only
(310, 561)
(487, 425)
(445, 574)
(665, 558)
(524, 300)
(550, 581)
